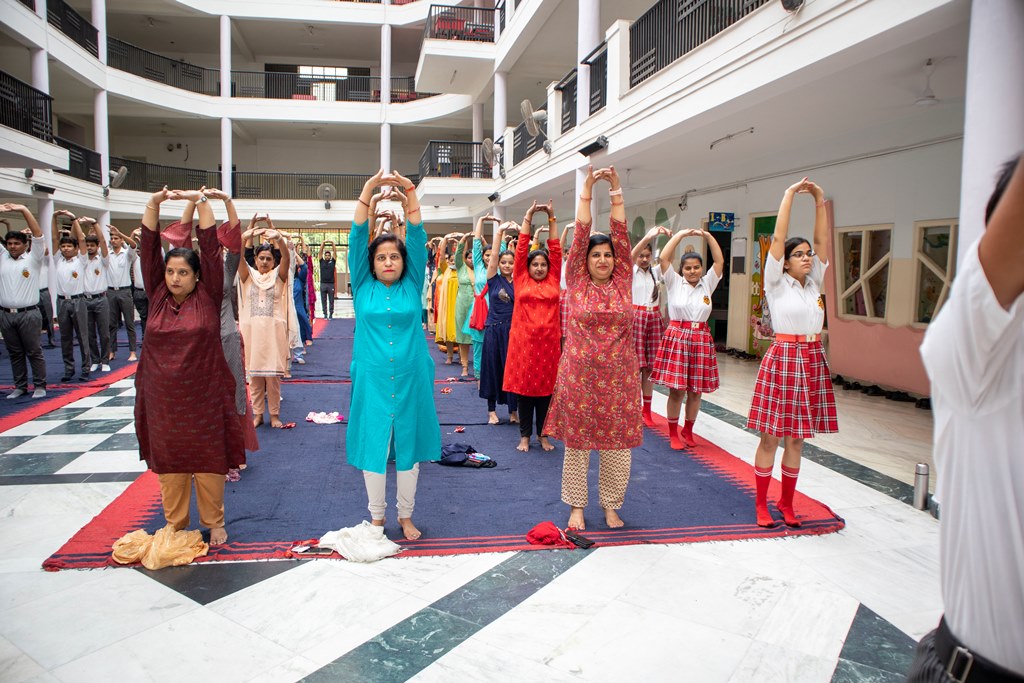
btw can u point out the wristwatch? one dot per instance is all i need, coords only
(202, 199)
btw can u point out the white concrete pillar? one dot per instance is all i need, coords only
(226, 155)
(478, 121)
(617, 39)
(40, 70)
(385, 147)
(385, 65)
(994, 107)
(225, 56)
(44, 214)
(588, 36)
(553, 127)
(99, 21)
(41, 9)
(101, 131)
(501, 116)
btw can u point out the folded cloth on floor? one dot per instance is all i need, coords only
(546, 533)
(325, 418)
(362, 543)
(165, 548)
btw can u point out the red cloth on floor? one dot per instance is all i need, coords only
(546, 533)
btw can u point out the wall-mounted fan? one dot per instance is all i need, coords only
(326, 192)
(533, 120)
(494, 154)
(116, 179)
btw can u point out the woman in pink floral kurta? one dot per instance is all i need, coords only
(596, 404)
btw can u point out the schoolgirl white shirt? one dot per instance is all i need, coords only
(644, 285)
(96, 274)
(795, 309)
(974, 355)
(19, 277)
(688, 302)
(119, 267)
(70, 274)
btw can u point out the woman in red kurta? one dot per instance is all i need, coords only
(596, 404)
(534, 340)
(185, 416)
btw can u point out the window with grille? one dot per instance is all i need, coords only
(934, 264)
(863, 272)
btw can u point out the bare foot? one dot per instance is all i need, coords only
(492, 418)
(576, 519)
(275, 422)
(218, 536)
(612, 519)
(465, 372)
(309, 342)
(257, 421)
(545, 444)
(448, 361)
(524, 444)
(409, 529)
(132, 357)
(377, 522)
(513, 417)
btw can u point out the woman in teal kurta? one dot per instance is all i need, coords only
(481, 254)
(464, 302)
(391, 413)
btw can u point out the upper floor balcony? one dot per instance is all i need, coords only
(458, 49)
(26, 127)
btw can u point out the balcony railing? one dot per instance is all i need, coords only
(258, 185)
(452, 159)
(449, 22)
(175, 73)
(31, 4)
(24, 108)
(403, 89)
(143, 177)
(83, 163)
(598, 62)
(568, 87)
(523, 145)
(671, 28)
(73, 25)
(499, 7)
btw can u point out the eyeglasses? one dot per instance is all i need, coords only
(801, 254)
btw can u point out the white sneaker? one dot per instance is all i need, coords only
(17, 393)
(94, 367)
(39, 393)
(105, 368)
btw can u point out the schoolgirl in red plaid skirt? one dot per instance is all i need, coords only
(648, 326)
(793, 397)
(687, 362)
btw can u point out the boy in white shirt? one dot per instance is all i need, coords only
(96, 296)
(20, 322)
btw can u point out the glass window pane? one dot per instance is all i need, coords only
(928, 287)
(935, 244)
(879, 245)
(853, 304)
(852, 242)
(878, 287)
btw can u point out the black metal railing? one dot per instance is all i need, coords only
(83, 163)
(451, 159)
(293, 86)
(449, 22)
(403, 89)
(24, 108)
(671, 28)
(31, 4)
(73, 25)
(499, 8)
(151, 66)
(259, 185)
(597, 60)
(568, 88)
(143, 177)
(523, 145)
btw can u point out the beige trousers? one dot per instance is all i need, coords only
(375, 485)
(612, 477)
(265, 389)
(176, 490)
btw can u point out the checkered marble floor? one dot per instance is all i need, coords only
(841, 607)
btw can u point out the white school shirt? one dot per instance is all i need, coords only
(974, 354)
(19, 277)
(70, 274)
(644, 285)
(96, 274)
(795, 309)
(137, 270)
(688, 302)
(44, 273)
(119, 267)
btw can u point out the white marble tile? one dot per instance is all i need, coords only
(57, 629)
(89, 402)
(830, 612)
(47, 500)
(126, 392)
(291, 670)
(124, 384)
(127, 429)
(474, 660)
(307, 605)
(15, 665)
(624, 642)
(887, 526)
(764, 662)
(20, 588)
(425, 576)
(60, 443)
(33, 428)
(733, 600)
(108, 413)
(204, 645)
(105, 461)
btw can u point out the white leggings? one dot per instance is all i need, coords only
(375, 484)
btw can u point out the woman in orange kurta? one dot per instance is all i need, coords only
(596, 404)
(534, 342)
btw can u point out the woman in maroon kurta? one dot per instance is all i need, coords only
(596, 404)
(534, 339)
(185, 417)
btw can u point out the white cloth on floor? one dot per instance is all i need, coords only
(362, 543)
(325, 418)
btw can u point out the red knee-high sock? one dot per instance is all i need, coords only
(673, 434)
(648, 419)
(785, 504)
(687, 433)
(762, 479)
